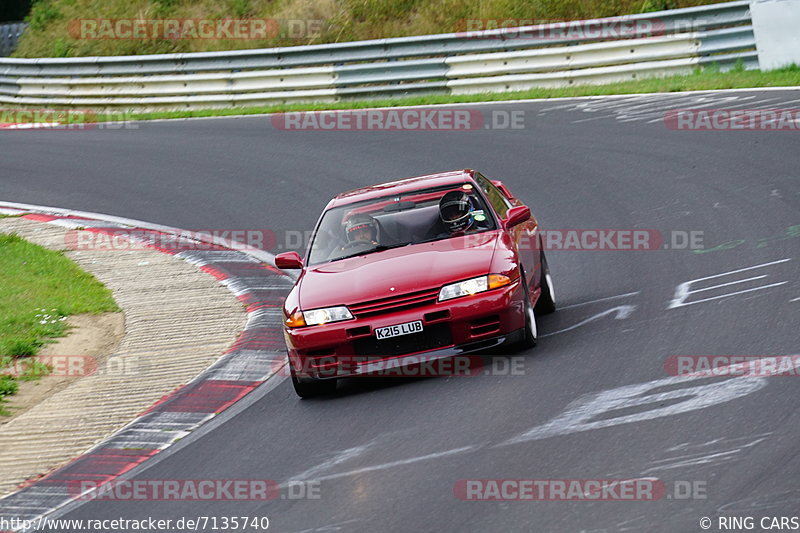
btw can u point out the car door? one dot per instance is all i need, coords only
(523, 235)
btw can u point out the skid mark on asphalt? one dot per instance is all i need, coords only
(711, 457)
(338, 526)
(685, 446)
(761, 503)
(640, 523)
(341, 457)
(392, 464)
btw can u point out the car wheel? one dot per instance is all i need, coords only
(311, 388)
(547, 299)
(531, 333)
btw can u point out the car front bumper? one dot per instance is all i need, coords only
(451, 328)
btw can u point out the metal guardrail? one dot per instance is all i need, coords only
(507, 59)
(9, 35)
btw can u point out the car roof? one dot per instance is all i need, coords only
(402, 186)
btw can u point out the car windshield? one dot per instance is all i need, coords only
(398, 220)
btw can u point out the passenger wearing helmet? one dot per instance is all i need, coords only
(361, 229)
(456, 212)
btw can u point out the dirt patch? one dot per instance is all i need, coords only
(92, 339)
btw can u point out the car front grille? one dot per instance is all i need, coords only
(432, 337)
(394, 303)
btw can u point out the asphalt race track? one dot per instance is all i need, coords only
(594, 400)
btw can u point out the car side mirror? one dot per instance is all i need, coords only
(288, 261)
(517, 215)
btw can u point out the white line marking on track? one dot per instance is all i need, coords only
(731, 294)
(729, 283)
(596, 98)
(599, 300)
(744, 269)
(622, 311)
(683, 291)
(647, 401)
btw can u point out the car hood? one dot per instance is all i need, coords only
(407, 269)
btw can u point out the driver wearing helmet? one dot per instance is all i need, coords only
(361, 228)
(456, 212)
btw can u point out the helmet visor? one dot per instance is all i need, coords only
(455, 210)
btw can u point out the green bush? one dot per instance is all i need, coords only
(346, 20)
(43, 13)
(8, 385)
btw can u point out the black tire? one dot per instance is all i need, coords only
(546, 303)
(531, 331)
(311, 388)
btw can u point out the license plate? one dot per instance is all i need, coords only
(398, 329)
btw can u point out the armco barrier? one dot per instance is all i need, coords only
(506, 59)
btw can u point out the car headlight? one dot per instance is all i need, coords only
(316, 317)
(473, 286)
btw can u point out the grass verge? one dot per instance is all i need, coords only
(708, 79)
(40, 289)
(55, 28)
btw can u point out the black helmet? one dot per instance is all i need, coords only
(359, 222)
(455, 210)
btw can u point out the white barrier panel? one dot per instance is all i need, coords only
(308, 78)
(588, 76)
(211, 101)
(575, 57)
(776, 26)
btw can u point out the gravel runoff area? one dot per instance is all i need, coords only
(178, 320)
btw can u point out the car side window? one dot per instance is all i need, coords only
(495, 196)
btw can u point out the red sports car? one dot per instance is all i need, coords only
(423, 268)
